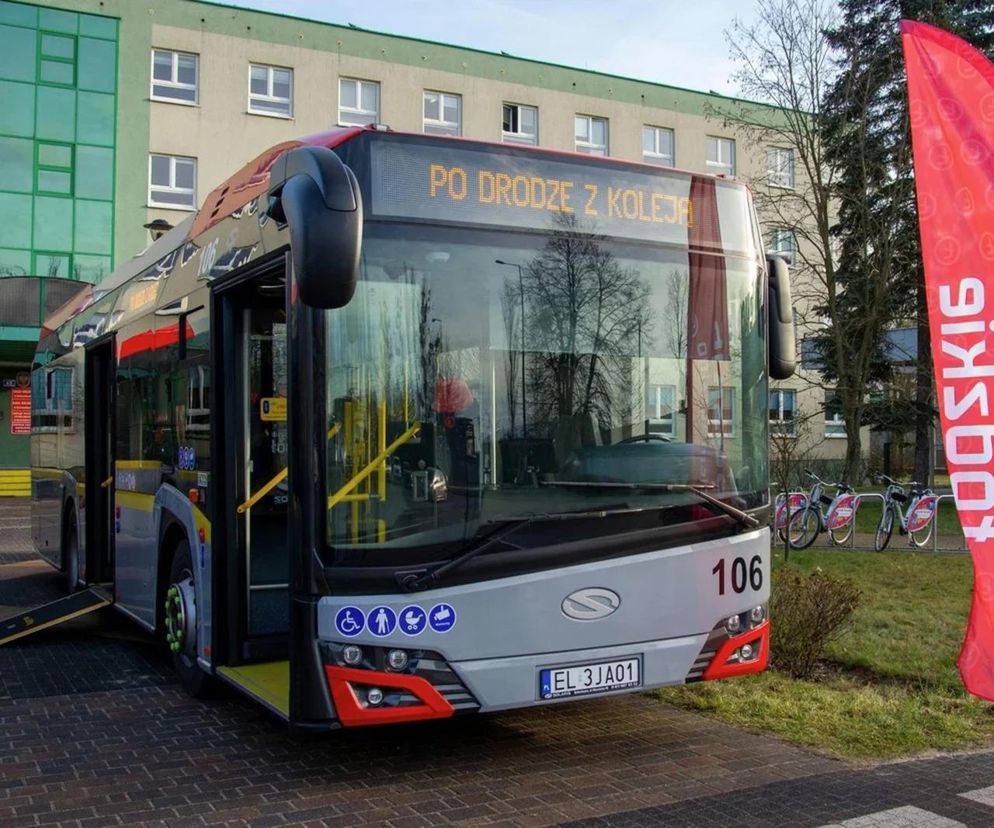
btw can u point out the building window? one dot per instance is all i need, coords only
(657, 145)
(660, 409)
(720, 155)
(780, 167)
(783, 413)
(53, 169)
(591, 135)
(520, 124)
(721, 408)
(442, 113)
(835, 425)
(56, 59)
(270, 91)
(358, 102)
(784, 244)
(172, 182)
(52, 399)
(174, 76)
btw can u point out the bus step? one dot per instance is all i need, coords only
(48, 615)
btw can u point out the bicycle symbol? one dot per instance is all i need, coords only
(349, 621)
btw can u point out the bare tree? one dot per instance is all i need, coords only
(586, 315)
(786, 62)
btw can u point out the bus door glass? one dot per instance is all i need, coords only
(264, 418)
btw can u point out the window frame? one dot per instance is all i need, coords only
(171, 187)
(587, 147)
(517, 136)
(727, 427)
(777, 236)
(656, 157)
(660, 425)
(836, 422)
(269, 96)
(42, 58)
(174, 82)
(720, 167)
(774, 169)
(778, 423)
(440, 126)
(39, 167)
(358, 109)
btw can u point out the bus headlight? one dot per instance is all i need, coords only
(397, 659)
(352, 655)
(374, 696)
(746, 652)
(733, 623)
(757, 614)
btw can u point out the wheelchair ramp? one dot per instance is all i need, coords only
(55, 612)
(267, 682)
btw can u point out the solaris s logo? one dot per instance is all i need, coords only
(590, 604)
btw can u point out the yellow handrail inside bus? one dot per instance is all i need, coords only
(335, 428)
(373, 464)
(107, 482)
(272, 484)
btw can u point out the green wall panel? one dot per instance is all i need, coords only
(17, 113)
(55, 20)
(55, 116)
(16, 160)
(15, 219)
(94, 172)
(18, 51)
(53, 223)
(94, 229)
(95, 119)
(19, 14)
(97, 67)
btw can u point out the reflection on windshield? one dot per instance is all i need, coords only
(467, 375)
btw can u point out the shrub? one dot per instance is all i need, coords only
(807, 610)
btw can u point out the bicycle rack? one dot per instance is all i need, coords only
(861, 497)
(877, 496)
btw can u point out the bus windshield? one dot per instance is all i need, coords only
(479, 377)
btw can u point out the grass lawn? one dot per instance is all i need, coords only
(889, 686)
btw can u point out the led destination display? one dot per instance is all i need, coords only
(477, 187)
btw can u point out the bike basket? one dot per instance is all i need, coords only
(900, 497)
(826, 500)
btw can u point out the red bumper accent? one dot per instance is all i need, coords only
(758, 637)
(351, 713)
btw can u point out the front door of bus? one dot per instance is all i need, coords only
(264, 466)
(250, 335)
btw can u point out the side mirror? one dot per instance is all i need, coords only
(780, 312)
(317, 196)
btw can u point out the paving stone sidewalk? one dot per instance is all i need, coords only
(94, 730)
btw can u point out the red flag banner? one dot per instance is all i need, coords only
(951, 104)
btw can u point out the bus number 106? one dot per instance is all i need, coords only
(740, 578)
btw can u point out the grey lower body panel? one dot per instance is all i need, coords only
(502, 683)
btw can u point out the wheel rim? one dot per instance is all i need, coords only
(180, 619)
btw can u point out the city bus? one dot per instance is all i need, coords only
(402, 426)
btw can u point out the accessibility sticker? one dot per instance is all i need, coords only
(442, 618)
(349, 621)
(382, 621)
(413, 620)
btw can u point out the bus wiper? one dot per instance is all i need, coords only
(744, 518)
(414, 582)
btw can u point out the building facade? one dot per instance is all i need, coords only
(120, 112)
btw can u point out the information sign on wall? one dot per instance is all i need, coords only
(20, 410)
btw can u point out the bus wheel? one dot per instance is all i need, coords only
(180, 618)
(71, 561)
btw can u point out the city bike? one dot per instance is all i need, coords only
(807, 523)
(922, 504)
